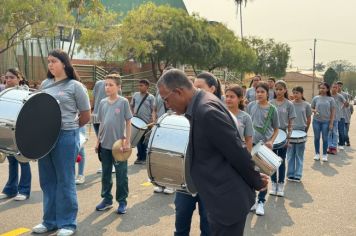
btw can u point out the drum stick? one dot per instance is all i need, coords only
(150, 125)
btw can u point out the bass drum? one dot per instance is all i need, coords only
(30, 123)
(167, 164)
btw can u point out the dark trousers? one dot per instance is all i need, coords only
(347, 138)
(341, 129)
(218, 229)
(96, 129)
(281, 152)
(141, 150)
(185, 205)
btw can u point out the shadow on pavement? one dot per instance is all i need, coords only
(297, 194)
(6, 204)
(325, 168)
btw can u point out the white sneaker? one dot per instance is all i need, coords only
(317, 157)
(40, 229)
(113, 169)
(341, 148)
(274, 188)
(280, 190)
(260, 209)
(99, 171)
(3, 196)
(157, 189)
(80, 179)
(324, 158)
(20, 197)
(253, 208)
(168, 191)
(65, 232)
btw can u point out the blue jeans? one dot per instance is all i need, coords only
(323, 128)
(141, 150)
(122, 186)
(347, 138)
(96, 129)
(13, 186)
(185, 205)
(57, 181)
(295, 157)
(333, 135)
(81, 164)
(341, 128)
(281, 152)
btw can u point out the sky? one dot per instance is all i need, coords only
(296, 22)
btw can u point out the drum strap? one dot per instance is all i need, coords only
(142, 101)
(267, 122)
(54, 84)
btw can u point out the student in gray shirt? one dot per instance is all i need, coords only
(98, 95)
(271, 82)
(57, 168)
(114, 115)
(251, 92)
(143, 105)
(265, 122)
(295, 152)
(348, 114)
(235, 103)
(323, 107)
(341, 123)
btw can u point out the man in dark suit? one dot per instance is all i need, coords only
(220, 167)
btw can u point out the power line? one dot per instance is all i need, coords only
(338, 42)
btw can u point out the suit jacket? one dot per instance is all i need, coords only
(220, 167)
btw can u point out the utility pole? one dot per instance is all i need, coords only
(313, 87)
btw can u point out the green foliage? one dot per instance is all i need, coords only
(330, 76)
(272, 57)
(319, 67)
(341, 66)
(349, 80)
(24, 19)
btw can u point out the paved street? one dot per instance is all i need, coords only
(323, 204)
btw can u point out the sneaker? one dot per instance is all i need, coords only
(113, 169)
(40, 229)
(341, 148)
(20, 197)
(324, 158)
(4, 196)
(158, 189)
(99, 171)
(168, 191)
(298, 180)
(317, 157)
(140, 162)
(292, 179)
(329, 151)
(122, 208)
(273, 190)
(333, 151)
(253, 208)
(348, 144)
(65, 232)
(103, 206)
(260, 209)
(280, 190)
(80, 179)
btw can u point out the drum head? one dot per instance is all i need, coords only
(281, 137)
(138, 123)
(298, 134)
(38, 125)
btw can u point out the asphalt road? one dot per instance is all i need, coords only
(323, 204)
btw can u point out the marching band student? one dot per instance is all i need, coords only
(286, 114)
(57, 169)
(114, 115)
(341, 123)
(143, 106)
(234, 100)
(251, 92)
(209, 83)
(340, 103)
(271, 83)
(295, 152)
(348, 115)
(265, 122)
(13, 188)
(323, 107)
(80, 179)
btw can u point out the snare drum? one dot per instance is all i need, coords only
(280, 140)
(265, 159)
(298, 136)
(167, 164)
(30, 122)
(138, 129)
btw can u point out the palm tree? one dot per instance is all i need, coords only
(239, 7)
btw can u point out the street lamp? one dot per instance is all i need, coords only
(313, 55)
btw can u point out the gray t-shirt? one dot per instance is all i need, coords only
(72, 97)
(244, 125)
(303, 111)
(146, 108)
(259, 116)
(323, 106)
(344, 109)
(348, 114)
(285, 112)
(251, 94)
(160, 106)
(112, 118)
(339, 111)
(270, 94)
(98, 94)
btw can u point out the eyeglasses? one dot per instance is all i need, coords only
(165, 99)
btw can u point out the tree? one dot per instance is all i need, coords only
(330, 76)
(319, 66)
(21, 20)
(341, 66)
(239, 6)
(272, 57)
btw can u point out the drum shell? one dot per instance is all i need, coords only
(167, 164)
(265, 159)
(298, 136)
(137, 131)
(22, 113)
(281, 139)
